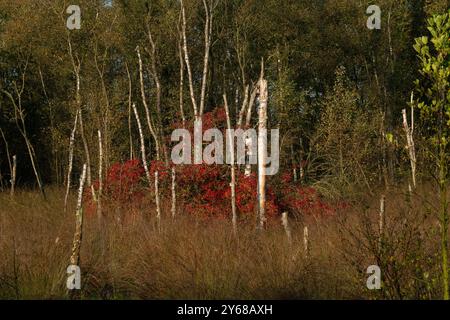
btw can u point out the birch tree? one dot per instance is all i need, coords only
(230, 140)
(19, 118)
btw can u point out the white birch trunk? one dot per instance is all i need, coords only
(147, 111)
(70, 165)
(248, 166)
(262, 148)
(174, 194)
(77, 238)
(87, 154)
(143, 154)
(100, 176)
(158, 208)
(233, 173)
(186, 58)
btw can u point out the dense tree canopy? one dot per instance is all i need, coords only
(302, 44)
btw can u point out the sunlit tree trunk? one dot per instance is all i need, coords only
(100, 175)
(147, 110)
(262, 148)
(78, 235)
(143, 153)
(233, 174)
(70, 165)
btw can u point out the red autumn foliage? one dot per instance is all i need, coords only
(204, 190)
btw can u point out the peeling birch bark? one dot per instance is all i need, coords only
(262, 147)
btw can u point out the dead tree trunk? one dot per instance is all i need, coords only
(287, 229)
(410, 141)
(262, 149)
(233, 174)
(306, 241)
(70, 165)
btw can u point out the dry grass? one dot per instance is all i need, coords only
(190, 258)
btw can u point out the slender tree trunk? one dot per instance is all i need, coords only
(129, 112)
(410, 141)
(381, 223)
(154, 73)
(262, 149)
(180, 56)
(186, 58)
(147, 111)
(243, 108)
(174, 194)
(87, 155)
(70, 166)
(444, 218)
(100, 176)
(20, 123)
(306, 241)
(13, 175)
(158, 208)
(143, 154)
(248, 166)
(287, 229)
(78, 235)
(233, 174)
(208, 31)
(12, 168)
